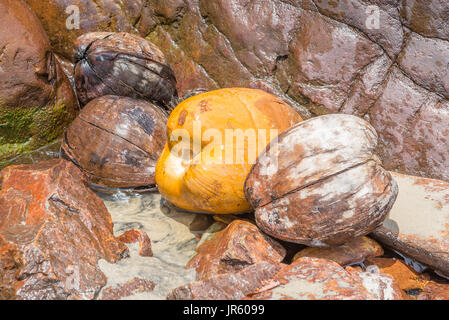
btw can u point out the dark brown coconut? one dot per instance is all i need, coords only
(122, 64)
(116, 141)
(321, 184)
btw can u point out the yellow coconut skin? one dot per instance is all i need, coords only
(200, 184)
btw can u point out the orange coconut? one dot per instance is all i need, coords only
(213, 140)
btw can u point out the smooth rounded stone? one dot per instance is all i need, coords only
(36, 99)
(352, 252)
(116, 142)
(320, 183)
(313, 279)
(417, 225)
(201, 169)
(172, 243)
(53, 232)
(240, 245)
(122, 64)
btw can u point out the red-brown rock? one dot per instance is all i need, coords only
(227, 286)
(409, 281)
(140, 237)
(353, 251)
(382, 286)
(53, 231)
(418, 223)
(374, 59)
(107, 15)
(235, 248)
(129, 288)
(435, 291)
(36, 99)
(313, 279)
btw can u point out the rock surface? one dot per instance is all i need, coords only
(417, 225)
(36, 99)
(382, 286)
(227, 286)
(53, 232)
(213, 139)
(319, 56)
(313, 279)
(139, 237)
(352, 252)
(127, 289)
(235, 248)
(59, 19)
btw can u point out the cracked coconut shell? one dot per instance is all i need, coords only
(116, 141)
(122, 64)
(194, 175)
(321, 184)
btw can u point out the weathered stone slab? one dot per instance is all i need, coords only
(418, 223)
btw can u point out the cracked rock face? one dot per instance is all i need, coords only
(116, 141)
(320, 183)
(319, 56)
(125, 65)
(53, 232)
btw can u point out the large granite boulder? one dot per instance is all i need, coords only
(53, 232)
(36, 98)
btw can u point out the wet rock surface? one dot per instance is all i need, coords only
(417, 223)
(172, 243)
(235, 248)
(139, 237)
(59, 19)
(228, 286)
(129, 288)
(312, 279)
(352, 252)
(319, 56)
(53, 232)
(36, 99)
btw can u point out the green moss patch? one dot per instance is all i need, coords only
(25, 129)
